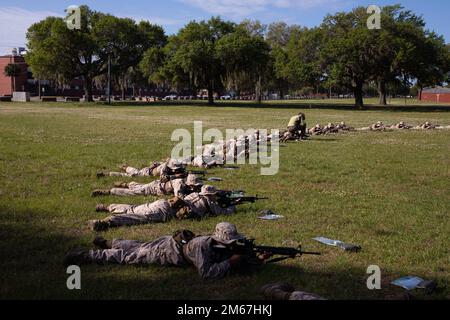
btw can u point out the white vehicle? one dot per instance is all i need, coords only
(170, 97)
(225, 97)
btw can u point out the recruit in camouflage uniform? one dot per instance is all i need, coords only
(316, 130)
(182, 249)
(195, 205)
(343, 127)
(205, 204)
(400, 126)
(157, 169)
(329, 129)
(128, 215)
(179, 187)
(283, 291)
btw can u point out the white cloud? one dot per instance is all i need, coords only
(240, 8)
(14, 23)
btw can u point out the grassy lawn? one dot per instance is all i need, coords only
(388, 192)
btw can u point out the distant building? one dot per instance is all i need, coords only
(438, 94)
(21, 81)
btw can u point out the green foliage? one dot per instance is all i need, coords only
(244, 55)
(12, 70)
(60, 54)
(341, 53)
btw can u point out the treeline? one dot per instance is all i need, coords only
(217, 55)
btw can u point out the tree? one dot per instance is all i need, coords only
(244, 55)
(406, 52)
(303, 68)
(58, 53)
(194, 52)
(431, 63)
(12, 70)
(278, 36)
(349, 51)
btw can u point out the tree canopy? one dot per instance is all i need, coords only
(219, 55)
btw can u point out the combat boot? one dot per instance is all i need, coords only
(102, 243)
(101, 208)
(98, 225)
(77, 257)
(277, 291)
(99, 192)
(100, 174)
(123, 185)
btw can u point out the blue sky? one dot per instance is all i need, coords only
(15, 17)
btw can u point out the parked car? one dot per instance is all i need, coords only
(225, 97)
(170, 97)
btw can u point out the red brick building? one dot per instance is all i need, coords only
(6, 83)
(438, 94)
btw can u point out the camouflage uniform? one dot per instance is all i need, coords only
(316, 130)
(400, 126)
(330, 128)
(154, 188)
(128, 215)
(283, 291)
(426, 126)
(201, 252)
(207, 161)
(164, 251)
(164, 169)
(343, 127)
(179, 187)
(204, 204)
(379, 126)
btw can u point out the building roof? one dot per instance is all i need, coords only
(437, 90)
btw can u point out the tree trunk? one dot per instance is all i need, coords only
(281, 93)
(359, 102)
(88, 89)
(210, 93)
(122, 90)
(258, 91)
(420, 93)
(382, 92)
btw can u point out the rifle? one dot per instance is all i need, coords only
(197, 172)
(248, 248)
(184, 174)
(231, 198)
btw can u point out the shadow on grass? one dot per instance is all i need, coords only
(32, 249)
(33, 246)
(152, 282)
(287, 105)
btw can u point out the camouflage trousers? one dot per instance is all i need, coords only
(300, 295)
(139, 189)
(164, 251)
(132, 172)
(129, 215)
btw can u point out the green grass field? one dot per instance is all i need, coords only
(388, 192)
